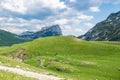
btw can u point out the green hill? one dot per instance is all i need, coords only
(7, 38)
(69, 57)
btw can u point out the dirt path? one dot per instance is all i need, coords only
(29, 73)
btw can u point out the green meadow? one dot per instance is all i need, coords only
(11, 76)
(66, 57)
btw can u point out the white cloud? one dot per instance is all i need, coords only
(84, 17)
(78, 30)
(94, 9)
(14, 5)
(53, 4)
(61, 21)
(72, 0)
(14, 30)
(18, 25)
(90, 25)
(67, 27)
(96, 2)
(23, 6)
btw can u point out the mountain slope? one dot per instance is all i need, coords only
(7, 38)
(70, 57)
(108, 30)
(53, 30)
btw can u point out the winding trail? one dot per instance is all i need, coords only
(29, 73)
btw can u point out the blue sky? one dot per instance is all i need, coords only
(74, 16)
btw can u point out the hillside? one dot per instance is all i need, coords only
(69, 57)
(107, 30)
(14, 70)
(7, 38)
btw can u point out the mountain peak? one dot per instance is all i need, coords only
(53, 30)
(114, 16)
(108, 29)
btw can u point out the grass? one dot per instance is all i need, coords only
(7, 38)
(6, 61)
(112, 43)
(71, 58)
(12, 76)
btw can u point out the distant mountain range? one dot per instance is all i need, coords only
(7, 38)
(53, 30)
(107, 30)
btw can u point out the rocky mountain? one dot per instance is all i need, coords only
(7, 38)
(53, 30)
(107, 30)
(27, 33)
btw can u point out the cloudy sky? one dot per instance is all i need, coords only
(74, 16)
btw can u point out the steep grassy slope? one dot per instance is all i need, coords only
(70, 57)
(7, 38)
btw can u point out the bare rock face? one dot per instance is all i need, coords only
(54, 30)
(107, 30)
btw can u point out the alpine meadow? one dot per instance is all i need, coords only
(59, 40)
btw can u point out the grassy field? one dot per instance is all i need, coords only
(71, 58)
(11, 76)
